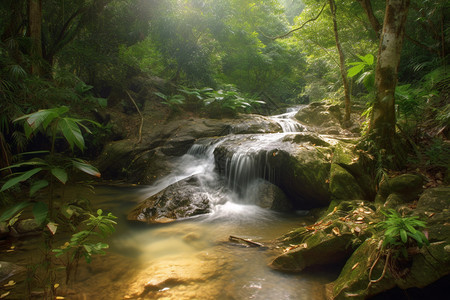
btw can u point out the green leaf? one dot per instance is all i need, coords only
(13, 210)
(71, 132)
(403, 236)
(85, 167)
(60, 174)
(40, 184)
(355, 70)
(368, 59)
(40, 212)
(17, 179)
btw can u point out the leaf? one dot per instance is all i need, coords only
(17, 179)
(85, 167)
(10, 283)
(52, 227)
(355, 70)
(40, 212)
(13, 210)
(4, 295)
(71, 132)
(368, 59)
(40, 184)
(403, 235)
(60, 174)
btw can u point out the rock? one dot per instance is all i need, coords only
(434, 208)
(427, 266)
(267, 195)
(407, 188)
(4, 230)
(28, 226)
(343, 186)
(301, 170)
(179, 200)
(353, 280)
(322, 248)
(7, 270)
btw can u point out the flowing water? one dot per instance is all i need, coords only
(193, 258)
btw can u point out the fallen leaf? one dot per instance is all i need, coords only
(4, 295)
(56, 285)
(52, 227)
(357, 229)
(334, 210)
(336, 231)
(359, 218)
(60, 297)
(355, 265)
(10, 283)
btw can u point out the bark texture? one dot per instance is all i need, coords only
(382, 121)
(341, 65)
(35, 23)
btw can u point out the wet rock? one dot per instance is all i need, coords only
(322, 248)
(343, 185)
(27, 227)
(267, 195)
(180, 200)
(4, 230)
(7, 270)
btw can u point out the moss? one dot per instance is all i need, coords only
(343, 185)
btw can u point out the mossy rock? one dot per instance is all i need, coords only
(320, 248)
(353, 281)
(343, 185)
(407, 186)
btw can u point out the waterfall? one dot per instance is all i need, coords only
(287, 120)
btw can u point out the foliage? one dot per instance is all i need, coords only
(173, 101)
(402, 232)
(365, 68)
(228, 102)
(85, 243)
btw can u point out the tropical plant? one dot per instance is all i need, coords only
(55, 167)
(228, 101)
(173, 102)
(365, 70)
(85, 243)
(402, 232)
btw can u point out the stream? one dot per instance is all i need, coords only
(193, 258)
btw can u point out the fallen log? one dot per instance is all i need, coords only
(245, 241)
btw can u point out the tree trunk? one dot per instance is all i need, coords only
(382, 120)
(341, 65)
(367, 6)
(35, 23)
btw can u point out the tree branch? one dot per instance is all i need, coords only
(296, 29)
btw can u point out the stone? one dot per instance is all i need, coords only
(179, 200)
(7, 270)
(322, 248)
(343, 186)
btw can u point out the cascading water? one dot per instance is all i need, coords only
(245, 169)
(192, 259)
(288, 122)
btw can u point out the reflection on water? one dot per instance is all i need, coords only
(192, 259)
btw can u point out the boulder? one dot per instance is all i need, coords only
(268, 195)
(180, 200)
(406, 187)
(297, 166)
(322, 248)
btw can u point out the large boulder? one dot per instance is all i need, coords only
(180, 200)
(152, 158)
(299, 164)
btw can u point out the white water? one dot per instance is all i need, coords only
(193, 259)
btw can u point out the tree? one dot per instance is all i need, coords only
(382, 119)
(341, 64)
